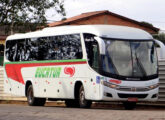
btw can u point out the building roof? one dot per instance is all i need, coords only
(3, 37)
(92, 14)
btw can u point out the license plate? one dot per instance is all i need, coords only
(132, 99)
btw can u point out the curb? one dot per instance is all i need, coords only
(100, 105)
(48, 103)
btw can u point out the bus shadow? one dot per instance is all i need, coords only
(113, 106)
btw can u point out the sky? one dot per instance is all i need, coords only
(152, 11)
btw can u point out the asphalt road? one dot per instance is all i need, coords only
(24, 112)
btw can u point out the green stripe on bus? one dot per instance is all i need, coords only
(47, 61)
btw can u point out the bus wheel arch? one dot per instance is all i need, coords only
(77, 86)
(31, 99)
(28, 83)
(79, 93)
(74, 102)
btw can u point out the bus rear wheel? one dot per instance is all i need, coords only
(33, 101)
(83, 103)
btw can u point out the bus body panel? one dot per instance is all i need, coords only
(55, 83)
(13, 87)
(63, 86)
(132, 87)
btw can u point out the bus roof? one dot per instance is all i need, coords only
(108, 31)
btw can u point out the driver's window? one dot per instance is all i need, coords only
(92, 51)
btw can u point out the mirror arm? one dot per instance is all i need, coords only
(101, 45)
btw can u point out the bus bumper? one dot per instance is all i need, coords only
(110, 94)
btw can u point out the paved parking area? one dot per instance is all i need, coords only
(24, 112)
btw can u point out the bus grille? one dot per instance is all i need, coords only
(132, 95)
(134, 89)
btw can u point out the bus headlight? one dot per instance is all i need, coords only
(107, 84)
(112, 86)
(153, 86)
(129, 88)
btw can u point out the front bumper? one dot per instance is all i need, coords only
(110, 94)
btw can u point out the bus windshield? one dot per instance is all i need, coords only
(129, 58)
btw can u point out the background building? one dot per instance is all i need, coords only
(105, 17)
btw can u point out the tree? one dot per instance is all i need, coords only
(160, 36)
(26, 12)
(147, 24)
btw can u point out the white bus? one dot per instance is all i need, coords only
(81, 64)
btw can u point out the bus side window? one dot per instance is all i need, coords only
(95, 57)
(61, 47)
(75, 46)
(21, 49)
(67, 47)
(32, 49)
(92, 51)
(9, 51)
(14, 50)
(27, 50)
(43, 48)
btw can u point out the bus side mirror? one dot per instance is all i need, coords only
(162, 49)
(101, 45)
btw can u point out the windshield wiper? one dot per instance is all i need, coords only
(114, 67)
(152, 53)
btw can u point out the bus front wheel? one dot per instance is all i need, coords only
(33, 101)
(83, 103)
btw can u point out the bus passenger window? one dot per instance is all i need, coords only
(66, 47)
(32, 49)
(95, 57)
(10, 49)
(15, 50)
(43, 48)
(92, 51)
(61, 47)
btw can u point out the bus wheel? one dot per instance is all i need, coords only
(129, 105)
(71, 103)
(32, 101)
(83, 103)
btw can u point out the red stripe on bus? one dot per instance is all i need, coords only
(13, 71)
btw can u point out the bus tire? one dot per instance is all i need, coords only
(33, 101)
(83, 103)
(72, 103)
(129, 105)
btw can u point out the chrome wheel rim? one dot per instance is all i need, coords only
(82, 97)
(30, 96)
